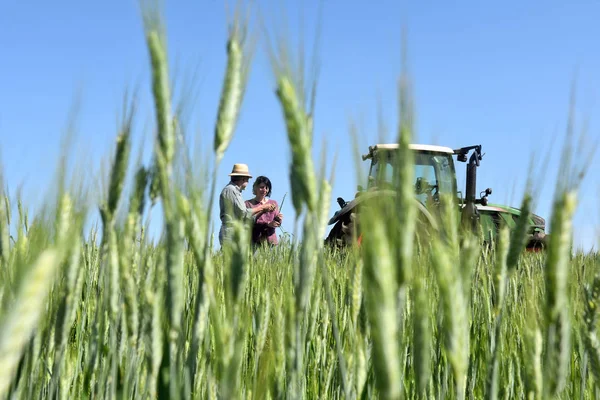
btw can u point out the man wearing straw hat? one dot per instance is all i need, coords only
(231, 202)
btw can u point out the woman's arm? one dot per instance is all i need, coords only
(277, 218)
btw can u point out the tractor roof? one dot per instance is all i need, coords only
(412, 146)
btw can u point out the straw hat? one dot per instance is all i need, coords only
(240, 170)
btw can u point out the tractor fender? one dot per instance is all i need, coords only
(351, 205)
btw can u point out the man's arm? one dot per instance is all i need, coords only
(256, 211)
(239, 206)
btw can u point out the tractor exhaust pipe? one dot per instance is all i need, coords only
(470, 215)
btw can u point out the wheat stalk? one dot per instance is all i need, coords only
(381, 289)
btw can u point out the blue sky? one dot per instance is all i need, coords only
(495, 74)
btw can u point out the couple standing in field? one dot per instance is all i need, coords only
(262, 212)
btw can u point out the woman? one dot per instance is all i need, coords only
(263, 229)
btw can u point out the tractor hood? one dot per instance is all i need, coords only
(538, 223)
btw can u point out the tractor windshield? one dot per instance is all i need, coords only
(433, 173)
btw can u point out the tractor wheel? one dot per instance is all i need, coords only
(342, 233)
(350, 231)
(537, 243)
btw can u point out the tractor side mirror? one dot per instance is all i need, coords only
(484, 196)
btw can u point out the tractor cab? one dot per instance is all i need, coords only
(433, 170)
(434, 175)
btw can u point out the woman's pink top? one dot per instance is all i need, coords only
(260, 230)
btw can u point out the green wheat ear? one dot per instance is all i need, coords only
(589, 329)
(406, 211)
(26, 312)
(297, 107)
(4, 236)
(239, 57)
(558, 336)
(302, 177)
(518, 238)
(231, 96)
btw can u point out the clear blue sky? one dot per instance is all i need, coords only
(492, 73)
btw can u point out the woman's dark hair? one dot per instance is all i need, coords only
(266, 181)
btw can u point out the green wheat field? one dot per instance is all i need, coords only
(104, 312)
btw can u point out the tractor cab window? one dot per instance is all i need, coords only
(425, 182)
(381, 173)
(433, 173)
(446, 176)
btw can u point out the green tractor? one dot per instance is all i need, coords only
(435, 175)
